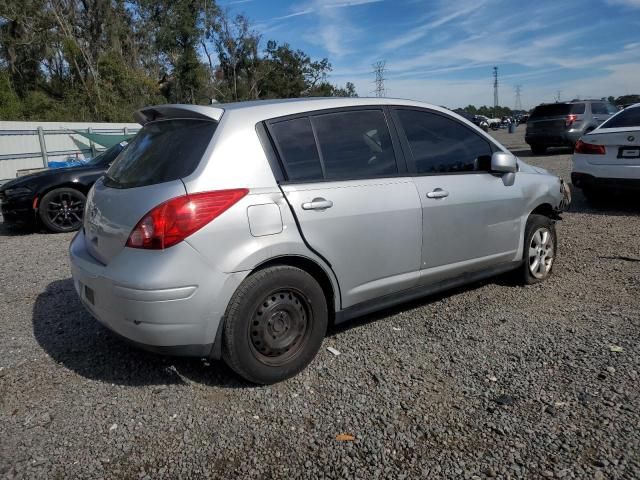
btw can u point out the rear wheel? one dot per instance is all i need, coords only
(275, 324)
(61, 210)
(538, 149)
(540, 249)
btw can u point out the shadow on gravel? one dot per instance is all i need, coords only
(525, 153)
(74, 339)
(505, 280)
(15, 231)
(620, 204)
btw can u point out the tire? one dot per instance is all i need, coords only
(544, 250)
(61, 210)
(538, 149)
(274, 324)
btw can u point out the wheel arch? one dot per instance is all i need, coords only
(545, 209)
(82, 188)
(313, 268)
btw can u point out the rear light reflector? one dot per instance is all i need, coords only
(174, 220)
(589, 148)
(570, 119)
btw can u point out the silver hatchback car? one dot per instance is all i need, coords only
(242, 231)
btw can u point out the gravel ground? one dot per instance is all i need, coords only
(492, 380)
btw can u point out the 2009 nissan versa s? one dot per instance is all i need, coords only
(241, 231)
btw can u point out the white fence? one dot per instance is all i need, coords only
(25, 145)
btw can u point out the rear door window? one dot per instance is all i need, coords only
(297, 147)
(441, 145)
(629, 117)
(161, 152)
(355, 144)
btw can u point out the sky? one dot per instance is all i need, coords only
(443, 51)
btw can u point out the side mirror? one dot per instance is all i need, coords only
(503, 162)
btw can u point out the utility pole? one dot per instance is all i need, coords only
(518, 105)
(495, 91)
(378, 70)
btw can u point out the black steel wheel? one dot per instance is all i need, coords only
(274, 324)
(280, 327)
(61, 210)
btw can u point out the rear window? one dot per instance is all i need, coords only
(557, 110)
(629, 117)
(161, 152)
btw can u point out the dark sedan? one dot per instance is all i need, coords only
(54, 198)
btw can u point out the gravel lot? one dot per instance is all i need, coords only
(492, 380)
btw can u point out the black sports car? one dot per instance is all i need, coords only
(54, 198)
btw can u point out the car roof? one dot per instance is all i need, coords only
(260, 110)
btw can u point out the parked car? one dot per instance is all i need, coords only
(523, 119)
(481, 122)
(242, 231)
(562, 124)
(608, 158)
(54, 198)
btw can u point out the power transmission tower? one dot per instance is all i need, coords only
(495, 90)
(378, 70)
(559, 95)
(518, 105)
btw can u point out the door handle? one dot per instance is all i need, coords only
(317, 204)
(437, 193)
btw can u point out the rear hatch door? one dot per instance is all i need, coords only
(146, 174)
(554, 117)
(622, 146)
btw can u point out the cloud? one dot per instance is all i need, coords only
(625, 3)
(440, 17)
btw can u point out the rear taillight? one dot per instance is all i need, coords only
(570, 119)
(174, 220)
(589, 148)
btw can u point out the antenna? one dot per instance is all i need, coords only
(495, 90)
(378, 70)
(518, 105)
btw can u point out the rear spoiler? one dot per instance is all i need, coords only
(159, 112)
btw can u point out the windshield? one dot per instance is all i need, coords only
(162, 151)
(556, 110)
(108, 156)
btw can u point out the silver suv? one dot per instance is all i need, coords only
(562, 124)
(242, 231)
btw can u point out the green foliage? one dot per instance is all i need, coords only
(100, 60)
(626, 99)
(490, 112)
(10, 104)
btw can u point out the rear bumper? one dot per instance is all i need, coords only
(168, 301)
(556, 139)
(587, 174)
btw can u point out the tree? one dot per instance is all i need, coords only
(103, 59)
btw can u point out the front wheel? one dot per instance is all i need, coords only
(540, 249)
(61, 210)
(275, 324)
